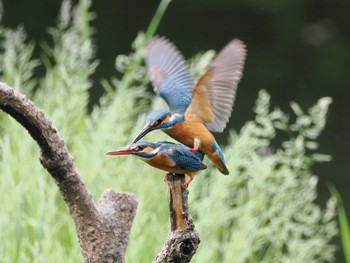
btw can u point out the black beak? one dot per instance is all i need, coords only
(148, 128)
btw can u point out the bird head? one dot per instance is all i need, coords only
(143, 150)
(160, 119)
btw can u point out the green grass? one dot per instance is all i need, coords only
(265, 211)
(343, 224)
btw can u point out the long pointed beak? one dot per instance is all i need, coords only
(143, 132)
(121, 151)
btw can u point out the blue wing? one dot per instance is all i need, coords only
(184, 159)
(198, 153)
(169, 75)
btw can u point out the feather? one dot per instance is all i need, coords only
(184, 159)
(214, 93)
(169, 75)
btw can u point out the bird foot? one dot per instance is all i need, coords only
(185, 183)
(165, 177)
(196, 144)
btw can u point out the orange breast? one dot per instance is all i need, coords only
(166, 164)
(160, 162)
(187, 131)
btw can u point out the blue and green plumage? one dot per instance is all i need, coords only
(171, 89)
(194, 109)
(167, 156)
(169, 74)
(182, 156)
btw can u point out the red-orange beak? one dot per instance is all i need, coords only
(122, 151)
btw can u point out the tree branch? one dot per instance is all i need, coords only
(183, 239)
(103, 229)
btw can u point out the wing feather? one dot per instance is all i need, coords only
(185, 159)
(169, 75)
(219, 84)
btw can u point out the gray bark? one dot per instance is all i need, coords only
(103, 229)
(183, 239)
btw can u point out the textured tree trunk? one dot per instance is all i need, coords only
(103, 229)
(183, 239)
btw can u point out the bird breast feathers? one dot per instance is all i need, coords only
(162, 161)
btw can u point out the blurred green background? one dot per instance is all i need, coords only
(297, 51)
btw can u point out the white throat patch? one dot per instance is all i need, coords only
(156, 150)
(174, 117)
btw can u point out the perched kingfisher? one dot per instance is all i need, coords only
(194, 109)
(167, 156)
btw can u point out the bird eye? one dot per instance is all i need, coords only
(139, 148)
(157, 122)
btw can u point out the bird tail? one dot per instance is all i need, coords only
(223, 169)
(218, 159)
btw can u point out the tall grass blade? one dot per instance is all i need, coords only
(343, 223)
(157, 18)
(139, 53)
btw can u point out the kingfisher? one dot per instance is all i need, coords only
(167, 156)
(195, 109)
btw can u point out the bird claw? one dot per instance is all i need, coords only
(185, 183)
(165, 178)
(196, 144)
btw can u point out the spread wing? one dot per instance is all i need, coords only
(214, 93)
(169, 75)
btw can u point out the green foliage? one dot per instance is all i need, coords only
(343, 223)
(264, 211)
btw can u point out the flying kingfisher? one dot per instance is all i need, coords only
(167, 156)
(194, 109)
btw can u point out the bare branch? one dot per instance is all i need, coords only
(103, 229)
(183, 239)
